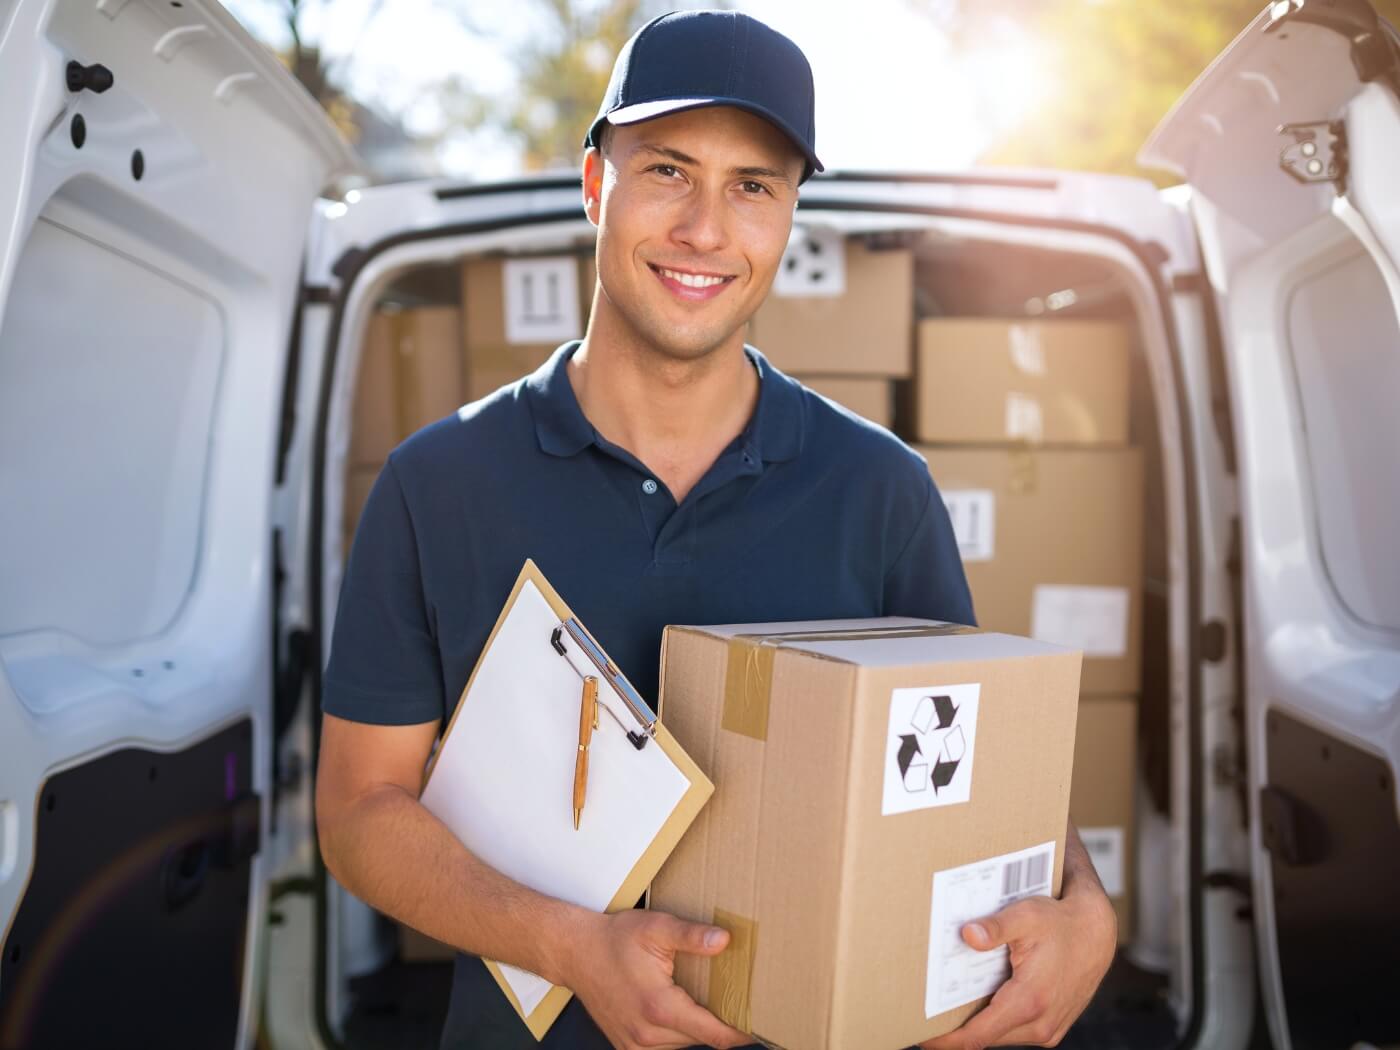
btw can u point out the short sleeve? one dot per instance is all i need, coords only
(385, 665)
(927, 578)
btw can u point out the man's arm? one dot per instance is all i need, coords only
(1060, 951)
(386, 848)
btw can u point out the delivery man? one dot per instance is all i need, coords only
(658, 471)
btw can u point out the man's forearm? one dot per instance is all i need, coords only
(392, 853)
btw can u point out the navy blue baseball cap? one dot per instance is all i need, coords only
(692, 59)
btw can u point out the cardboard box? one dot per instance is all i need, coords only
(1051, 540)
(1101, 797)
(858, 764)
(495, 352)
(868, 330)
(358, 481)
(984, 380)
(863, 395)
(410, 375)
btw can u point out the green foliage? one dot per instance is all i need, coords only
(1113, 69)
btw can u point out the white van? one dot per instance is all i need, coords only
(181, 323)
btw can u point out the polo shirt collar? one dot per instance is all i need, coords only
(774, 433)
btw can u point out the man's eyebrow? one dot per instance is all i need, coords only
(666, 151)
(776, 174)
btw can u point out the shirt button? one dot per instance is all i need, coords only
(649, 487)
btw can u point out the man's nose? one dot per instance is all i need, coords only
(704, 225)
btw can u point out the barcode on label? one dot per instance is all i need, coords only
(1023, 877)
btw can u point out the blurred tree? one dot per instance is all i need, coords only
(563, 66)
(1111, 69)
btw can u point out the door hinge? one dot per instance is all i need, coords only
(1316, 152)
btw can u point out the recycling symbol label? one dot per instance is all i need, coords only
(930, 746)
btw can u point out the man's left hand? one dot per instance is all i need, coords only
(1060, 951)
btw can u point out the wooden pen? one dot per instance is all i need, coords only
(587, 722)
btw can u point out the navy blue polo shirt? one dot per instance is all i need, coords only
(810, 513)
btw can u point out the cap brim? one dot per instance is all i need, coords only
(642, 111)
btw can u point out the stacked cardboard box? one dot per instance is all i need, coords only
(878, 783)
(410, 375)
(838, 320)
(517, 311)
(1026, 425)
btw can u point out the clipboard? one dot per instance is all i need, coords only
(502, 776)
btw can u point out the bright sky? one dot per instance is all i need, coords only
(890, 94)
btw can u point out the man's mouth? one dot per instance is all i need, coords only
(693, 287)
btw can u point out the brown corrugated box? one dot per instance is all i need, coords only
(820, 848)
(985, 380)
(870, 397)
(410, 375)
(1101, 801)
(491, 360)
(1051, 540)
(866, 331)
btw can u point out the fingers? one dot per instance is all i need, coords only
(675, 1015)
(695, 938)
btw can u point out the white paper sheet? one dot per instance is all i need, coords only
(958, 974)
(504, 780)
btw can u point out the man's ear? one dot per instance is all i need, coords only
(593, 184)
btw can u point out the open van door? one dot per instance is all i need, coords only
(1291, 144)
(160, 171)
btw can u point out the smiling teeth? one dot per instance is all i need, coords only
(691, 280)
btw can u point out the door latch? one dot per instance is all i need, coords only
(1317, 152)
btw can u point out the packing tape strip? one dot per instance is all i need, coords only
(731, 971)
(748, 672)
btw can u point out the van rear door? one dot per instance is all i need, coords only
(161, 167)
(1291, 142)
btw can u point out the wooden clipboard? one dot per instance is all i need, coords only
(450, 802)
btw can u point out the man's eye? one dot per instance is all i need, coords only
(751, 186)
(665, 170)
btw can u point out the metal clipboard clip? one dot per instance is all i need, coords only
(641, 713)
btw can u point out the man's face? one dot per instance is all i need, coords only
(693, 213)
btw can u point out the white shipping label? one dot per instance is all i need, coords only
(930, 746)
(1024, 420)
(974, 515)
(1105, 847)
(958, 974)
(1093, 619)
(814, 265)
(541, 300)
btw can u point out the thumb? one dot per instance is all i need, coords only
(696, 938)
(985, 934)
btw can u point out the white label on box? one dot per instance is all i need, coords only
(1093, 619)
(958, 974)
(1105, 847)
(974, 515)
(930, 746)
(814, 265)
(1024, 421)
(541, 300)
(1027, 351)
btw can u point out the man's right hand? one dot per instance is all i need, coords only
(622, 973)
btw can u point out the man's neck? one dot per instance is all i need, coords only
(675, 416)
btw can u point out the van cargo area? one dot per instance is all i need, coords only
(1020, 370)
